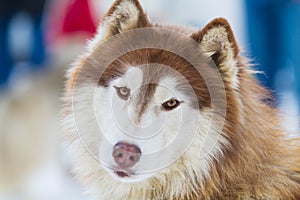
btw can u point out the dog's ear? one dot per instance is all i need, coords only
(217, 42)
(123, 15)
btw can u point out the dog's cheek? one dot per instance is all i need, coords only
(102, 109)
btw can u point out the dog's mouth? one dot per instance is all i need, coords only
(122, 174)
(128, 176)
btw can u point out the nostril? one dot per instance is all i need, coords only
(120, 155)
(131, 158)
(126, 155)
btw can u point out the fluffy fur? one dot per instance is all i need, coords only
(252, 159)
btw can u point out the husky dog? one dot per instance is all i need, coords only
(165, 112)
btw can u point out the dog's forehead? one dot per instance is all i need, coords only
(167, 89)
(132, 78)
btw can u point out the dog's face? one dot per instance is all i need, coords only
(144, 122)
(142, 119)
(155, 113)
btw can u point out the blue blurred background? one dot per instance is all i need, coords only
(39, 39)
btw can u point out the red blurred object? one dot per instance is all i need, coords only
(78, 18)
(70, 17)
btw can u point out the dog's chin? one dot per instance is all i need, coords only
(127, 176)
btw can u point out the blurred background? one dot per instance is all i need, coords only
(39, 39)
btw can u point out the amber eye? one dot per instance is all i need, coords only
(123, 92)
(171, 104)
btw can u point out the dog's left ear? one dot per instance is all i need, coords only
(122, 16)
(217, 42)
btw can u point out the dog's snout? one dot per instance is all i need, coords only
(126, 155)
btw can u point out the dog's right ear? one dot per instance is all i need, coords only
(218, 42)
(122, 16)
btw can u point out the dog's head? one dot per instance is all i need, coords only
(149, 102)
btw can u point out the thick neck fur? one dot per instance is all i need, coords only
(260, 163)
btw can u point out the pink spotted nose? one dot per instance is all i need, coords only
(126, 155)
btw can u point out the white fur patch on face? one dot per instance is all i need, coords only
(132, 79)
(203, 142)
(116, 109)
(170, 135)
(116, 116)
(167, 90)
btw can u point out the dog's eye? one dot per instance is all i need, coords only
(123, 92)
(171, 104)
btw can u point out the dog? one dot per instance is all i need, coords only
(167, 112)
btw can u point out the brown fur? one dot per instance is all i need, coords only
(259, 162)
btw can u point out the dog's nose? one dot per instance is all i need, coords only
(126, 155)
